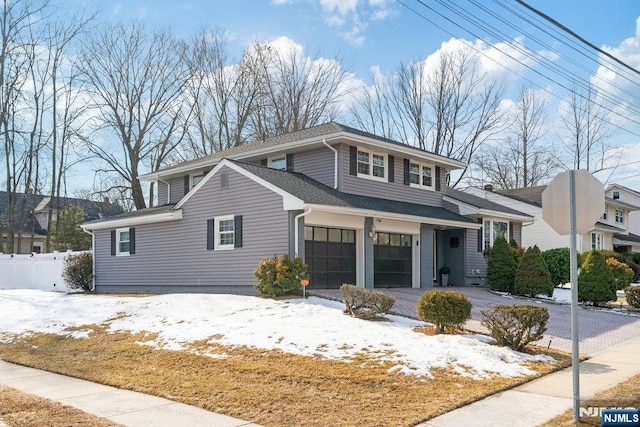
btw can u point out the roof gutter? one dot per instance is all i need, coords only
(296, 228)
(335, 163)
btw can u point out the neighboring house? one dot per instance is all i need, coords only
(497, 221)
(631, 241)
(358, 208)
(31, 213)
(604, 235)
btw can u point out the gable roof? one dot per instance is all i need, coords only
(303, 190)
(315, 134)
(482, 203)
(531, 195)
(622, 187)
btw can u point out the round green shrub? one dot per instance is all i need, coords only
(621, 274)
(515, 326)
(444, 309)
(595, 282)
(501, 269)
(78, 271)
(532, 275)
(559, 264)
(279, 275)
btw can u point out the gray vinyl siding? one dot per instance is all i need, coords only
(475, 259)
(516, 232)
(177, 189)
(396, 190)
(316, 164)
(162, 193)
(173, 256)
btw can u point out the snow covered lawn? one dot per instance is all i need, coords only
(303, 327)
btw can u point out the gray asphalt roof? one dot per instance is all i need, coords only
(314, 192)
(627, 237)
(481, 203)
(134, 214)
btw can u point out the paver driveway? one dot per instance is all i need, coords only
(599, 329)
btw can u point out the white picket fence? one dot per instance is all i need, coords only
(34, 271)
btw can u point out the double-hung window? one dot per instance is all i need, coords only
(225, 232)
(372, 165)
(421, 175)
(619, 216)
(597, 241)
(492, 229)
(123, 241)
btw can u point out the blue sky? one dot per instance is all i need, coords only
(382, 33)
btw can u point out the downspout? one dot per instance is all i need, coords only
(168, 187)
(335, 164)
(93, 258)
(296, 228)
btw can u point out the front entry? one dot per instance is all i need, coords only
(392, 260)
(330, 254)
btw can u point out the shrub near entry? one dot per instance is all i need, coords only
(501, 270)
(532, 275)
(279, 275)
(515, 326)
(444, 309)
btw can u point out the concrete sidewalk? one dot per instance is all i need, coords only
(540, 400)
(121, 406)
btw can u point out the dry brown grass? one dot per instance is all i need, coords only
(266, 387)
(19, 409)
(625, 393)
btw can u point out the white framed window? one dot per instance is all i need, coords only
(372, 165)
(195, 178)
(619, 216)
(604, 215)
(421, 175)
(616, 195)
(225, 232)
(278, 162)
(123, 242)
(597, 241)
(492, 229)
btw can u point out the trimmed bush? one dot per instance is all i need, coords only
(515, 326)
(444, 309)
(621, 274)
(559, 264)
(501, 269)
(633, 296)
(532, 275)
(636, 257)
(279, 275)
(595, 283)
(365, 303)
(78, 271)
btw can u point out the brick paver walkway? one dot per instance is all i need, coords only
(599, 329)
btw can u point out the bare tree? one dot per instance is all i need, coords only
(373, 109)
(521, 160)
(296, 91)
(220, 94)
(135, 81)
(585, 122)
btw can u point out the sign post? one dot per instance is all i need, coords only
(585, 204)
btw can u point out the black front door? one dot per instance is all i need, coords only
(330, 254)
(392, 260)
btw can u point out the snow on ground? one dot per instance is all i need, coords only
(306, 327)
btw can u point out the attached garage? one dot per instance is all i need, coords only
(330, 254)
(392, 265)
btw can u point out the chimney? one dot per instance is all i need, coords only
(105, 199)
(488, 187)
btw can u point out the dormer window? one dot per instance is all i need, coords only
(616, 195)
(195, 178)
(421, 175)
(372, 165)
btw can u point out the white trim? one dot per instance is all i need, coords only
(278, 157)
(422, 165)
(194, 175)
(119, 232)
(370, 175)
(492, 238)
(289, 201)
(391, 215)
(217, 246)
(130, 221)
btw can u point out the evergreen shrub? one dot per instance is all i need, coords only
(595, 284)
(515, 326)
(444, 309)
(501, 269)
(532, 275)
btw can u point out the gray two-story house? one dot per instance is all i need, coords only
(358, 208)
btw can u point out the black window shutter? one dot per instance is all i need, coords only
(186, 184)
(407, 177)
(237, 229)
(480, 248)
(353, 160)
(132, 241)
(264, 162)
(510, 231)
(210, 234)
(289, 162)
(392, 168)
(437, 178)
(113, 242)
